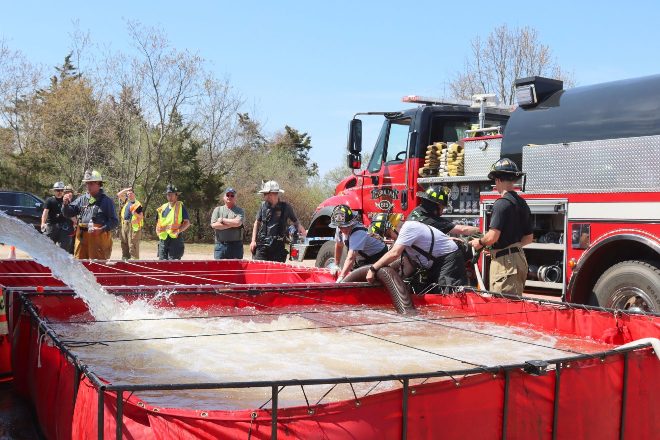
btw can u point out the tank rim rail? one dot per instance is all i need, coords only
(531, 367)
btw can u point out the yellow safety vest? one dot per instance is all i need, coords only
(172, 220)
(137, 220)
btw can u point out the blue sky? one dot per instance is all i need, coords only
(312, 65)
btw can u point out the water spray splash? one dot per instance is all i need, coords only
(64, 267)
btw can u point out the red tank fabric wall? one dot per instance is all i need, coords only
(472, 409)
(29, 273)
(590, 393)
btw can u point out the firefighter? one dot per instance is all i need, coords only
(227, 224)
(96, 219)
(131, 215)
(422, 248)
(172, 221)
(68, 189)
(270, 227)
(57, 227)
(510, 229)
(433, 202)
(362, 248)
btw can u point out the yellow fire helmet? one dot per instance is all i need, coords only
(395, 219)
(382, 222)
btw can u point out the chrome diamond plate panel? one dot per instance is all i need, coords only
(480, 155)
(611, 165)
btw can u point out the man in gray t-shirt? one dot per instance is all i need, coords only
(227, 221)
(426, 248)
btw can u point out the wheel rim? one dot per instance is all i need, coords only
(631, 298)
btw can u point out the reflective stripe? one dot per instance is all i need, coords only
(171, 220)
(137, 220)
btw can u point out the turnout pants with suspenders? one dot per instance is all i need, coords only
(446, 270)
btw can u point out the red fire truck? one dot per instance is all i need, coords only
(592, 158)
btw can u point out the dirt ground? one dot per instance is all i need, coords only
(149, 251)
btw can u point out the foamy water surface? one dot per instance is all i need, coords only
(321, 342)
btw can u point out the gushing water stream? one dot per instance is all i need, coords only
(64, 267)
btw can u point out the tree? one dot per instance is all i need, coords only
(298, 144)
(165, 86)
(217, 126)
(506, 55)
(71, 118)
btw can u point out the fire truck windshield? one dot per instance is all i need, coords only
(391, 144)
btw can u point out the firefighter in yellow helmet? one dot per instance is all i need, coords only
(96, 219)
(172, 220)
(131, 216)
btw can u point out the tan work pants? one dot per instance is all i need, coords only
(130, 241)
(92, 246)
(508, 272)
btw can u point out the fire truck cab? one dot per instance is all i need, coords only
(390, 180)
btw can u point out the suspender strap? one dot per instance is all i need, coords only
(428, 255)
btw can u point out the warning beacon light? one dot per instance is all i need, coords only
(534, 89)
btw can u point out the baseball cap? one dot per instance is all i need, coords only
(230, 190)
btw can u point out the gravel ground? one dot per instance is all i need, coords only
(148, 251)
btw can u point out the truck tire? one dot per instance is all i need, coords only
(326, 255)
(630, 285)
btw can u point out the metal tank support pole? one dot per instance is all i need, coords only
(99, 421)
(120, 414)
(273, 428)
(404, 409)
(555, 412)
(505, 404)
(624, 396)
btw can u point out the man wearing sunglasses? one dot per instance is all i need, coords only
(227, 223)
(57, 227)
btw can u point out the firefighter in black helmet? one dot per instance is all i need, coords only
(510, 229)
(433, 202)
(362, 248)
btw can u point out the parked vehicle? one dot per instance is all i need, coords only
(23, 205)
(593, 183)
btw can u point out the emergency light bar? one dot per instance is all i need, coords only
(416, 99)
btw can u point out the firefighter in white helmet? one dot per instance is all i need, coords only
(96, 219)
(270, 227)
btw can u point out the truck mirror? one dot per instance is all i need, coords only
(355, 136)
(354, 161)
